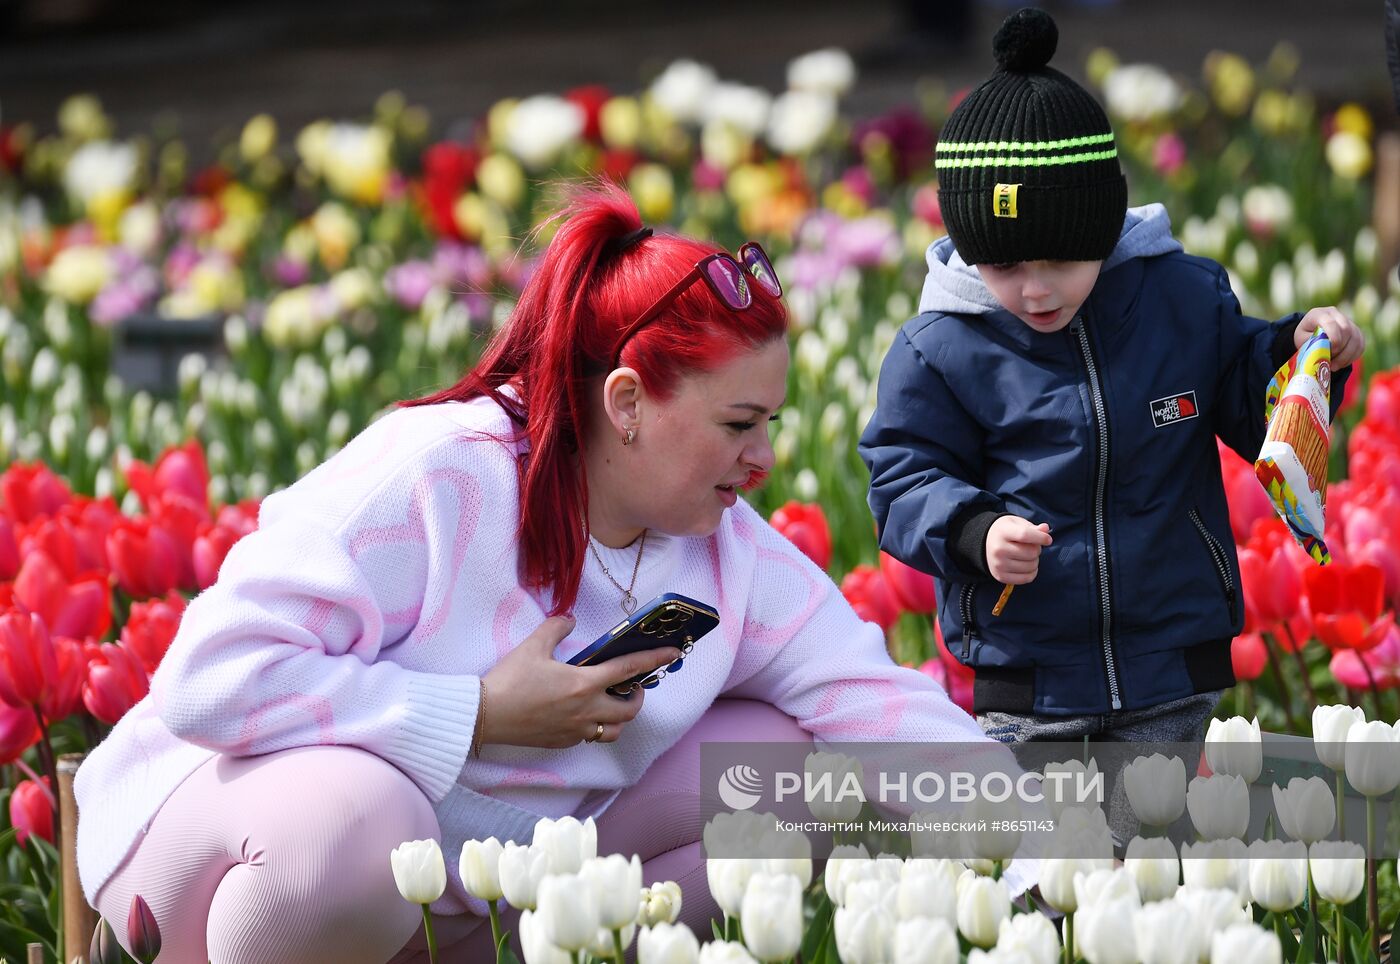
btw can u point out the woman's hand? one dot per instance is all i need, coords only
(1013, 549)
(533, 699)
(1346, 338)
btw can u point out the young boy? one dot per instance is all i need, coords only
(1048, 422)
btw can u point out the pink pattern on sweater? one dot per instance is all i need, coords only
(505, 615)
(840, 695)
(317, 708)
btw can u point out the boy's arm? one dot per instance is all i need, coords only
(1251, 351)
(924, 452)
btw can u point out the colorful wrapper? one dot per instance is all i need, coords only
(1292, 465)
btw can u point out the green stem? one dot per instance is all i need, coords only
(1372, 908)
(1340, 945)
(428, 929)
(617, 946)
(1341, 807)
(573, 955)
(1069, 938)
(1312, 911)
(496, 930)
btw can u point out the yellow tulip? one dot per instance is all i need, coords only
(78, 273)
(620, 122)
(654, 191)
(500, 178)
(1354, 119)
(258, 139)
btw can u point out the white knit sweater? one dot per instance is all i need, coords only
(379, 588)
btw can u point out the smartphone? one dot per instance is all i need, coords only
(668, 620)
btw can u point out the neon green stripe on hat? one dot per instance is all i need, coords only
(943, 163)
(963, 147)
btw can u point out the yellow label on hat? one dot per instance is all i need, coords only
(1004, 200)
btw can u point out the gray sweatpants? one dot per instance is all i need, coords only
(1178, 722)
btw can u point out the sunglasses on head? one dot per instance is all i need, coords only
(725, 275)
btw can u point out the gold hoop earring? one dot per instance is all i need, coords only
(627, 439)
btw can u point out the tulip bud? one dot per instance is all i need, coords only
(537, 948)
(922, 940)
(864, 935)
(1153, 864)
(142, 932)
(521, 869)
(838, 778)
(728, 878)
(1219, 806)
(771, 916)
(666, 943)
(616, 883)
(479, 866)
(1278, 874)
(725, 952)
(1156, 788)
(1372, 758)
(1067, 783)
(419, 870)
(1031, 935)
(1338, 870)
(1234, 746)
(1306, 809)
(568, 911)
(932, 895)
(567, 842)
(1105, 931)
(1216, 864)
(1245, 943)
(1158, 930)
(983, 904)
(661, 904)
(31, 811)
(104, 948)
(1101, 886)
(839, 866)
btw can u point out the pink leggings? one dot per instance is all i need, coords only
(285, 857)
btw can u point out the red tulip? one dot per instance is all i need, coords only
(142, 931)
(180, 470)
(31, 811)
(182, 519)
(151, 628)
(9, 549)
(241, 517)
(1345, 603)
(1247, 499)
(1248, 656)
(913, 590)
(19, 730)
(144, 557)
(1385, 556)
(116, 682)
(590, 99)
(804, 525)
(65, 696)
(81, 607)
(1270, 581)
(32, 491)
(448, 170)
(870, 596)
(53, 536)
(91, 520)
(28, 666)
(1380, 665)
(210, 547)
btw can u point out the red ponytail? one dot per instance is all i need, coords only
(582, 294)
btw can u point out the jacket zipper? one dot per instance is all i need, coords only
(1222, 564)
(969, 628)
(1100, 526)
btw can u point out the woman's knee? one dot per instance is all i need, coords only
(750, 721)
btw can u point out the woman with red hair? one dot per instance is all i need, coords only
(385, 658)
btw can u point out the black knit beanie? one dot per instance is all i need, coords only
(1027, 167)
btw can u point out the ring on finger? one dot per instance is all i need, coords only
(597, 735)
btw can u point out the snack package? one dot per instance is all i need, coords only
(1292, 465)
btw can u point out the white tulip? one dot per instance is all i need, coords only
(1160, 931)
(829, 71)
(1140, 92)
(567, 842)
(1211, 911)
(837, 779)
(1373, 758)
(924, 940)
(1306, 809)
(872, 890)
(1153, 864)
(419, 870)
(1338, 870)
(1216, 864)
(683, 89)
(728, 879)
(1031, 935)
(1057, 876)
(864, 935)
(839, 866)
(1219, 806)
(800, 120)
(1156, 787)
(1000, 833)
(667, 944)
(1101, 886)
(1330, 725)
(1081, 832)
(521, 869)
(1104, 932)
(537, 948)
(933, 895)
(725, 952)
(997, 955)
(616, 883)
(100, 168)
(567, 912)
(983, 904)
(1278, 874)
(602, 945)
(1234, 746)
(661, 904)
(539, 128)
(737, 834)
(1245, 944)
(792, 854)
(1065, 784)
(480, 868)
(771, 916)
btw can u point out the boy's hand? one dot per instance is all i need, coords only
(1013, 549)
(1347, 340)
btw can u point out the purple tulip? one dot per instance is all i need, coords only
(142, 932)
(461, 266)
(409, 283)
(289, 272)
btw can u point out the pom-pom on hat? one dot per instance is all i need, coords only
(1027, 166)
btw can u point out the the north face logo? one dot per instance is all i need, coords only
(1173, 408)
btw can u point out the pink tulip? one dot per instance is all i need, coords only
(870, 596)
(9, 549)
(1356, 669)
(19, 730)
(28, 666)
(31, 811)
(912, 589)
(69, 607)
(142, 931)
(116, 682)
(180, 470)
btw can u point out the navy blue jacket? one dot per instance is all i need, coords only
(1106, 430)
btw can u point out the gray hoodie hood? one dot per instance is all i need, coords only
(954, 287)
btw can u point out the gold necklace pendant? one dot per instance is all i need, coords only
(629, 601)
